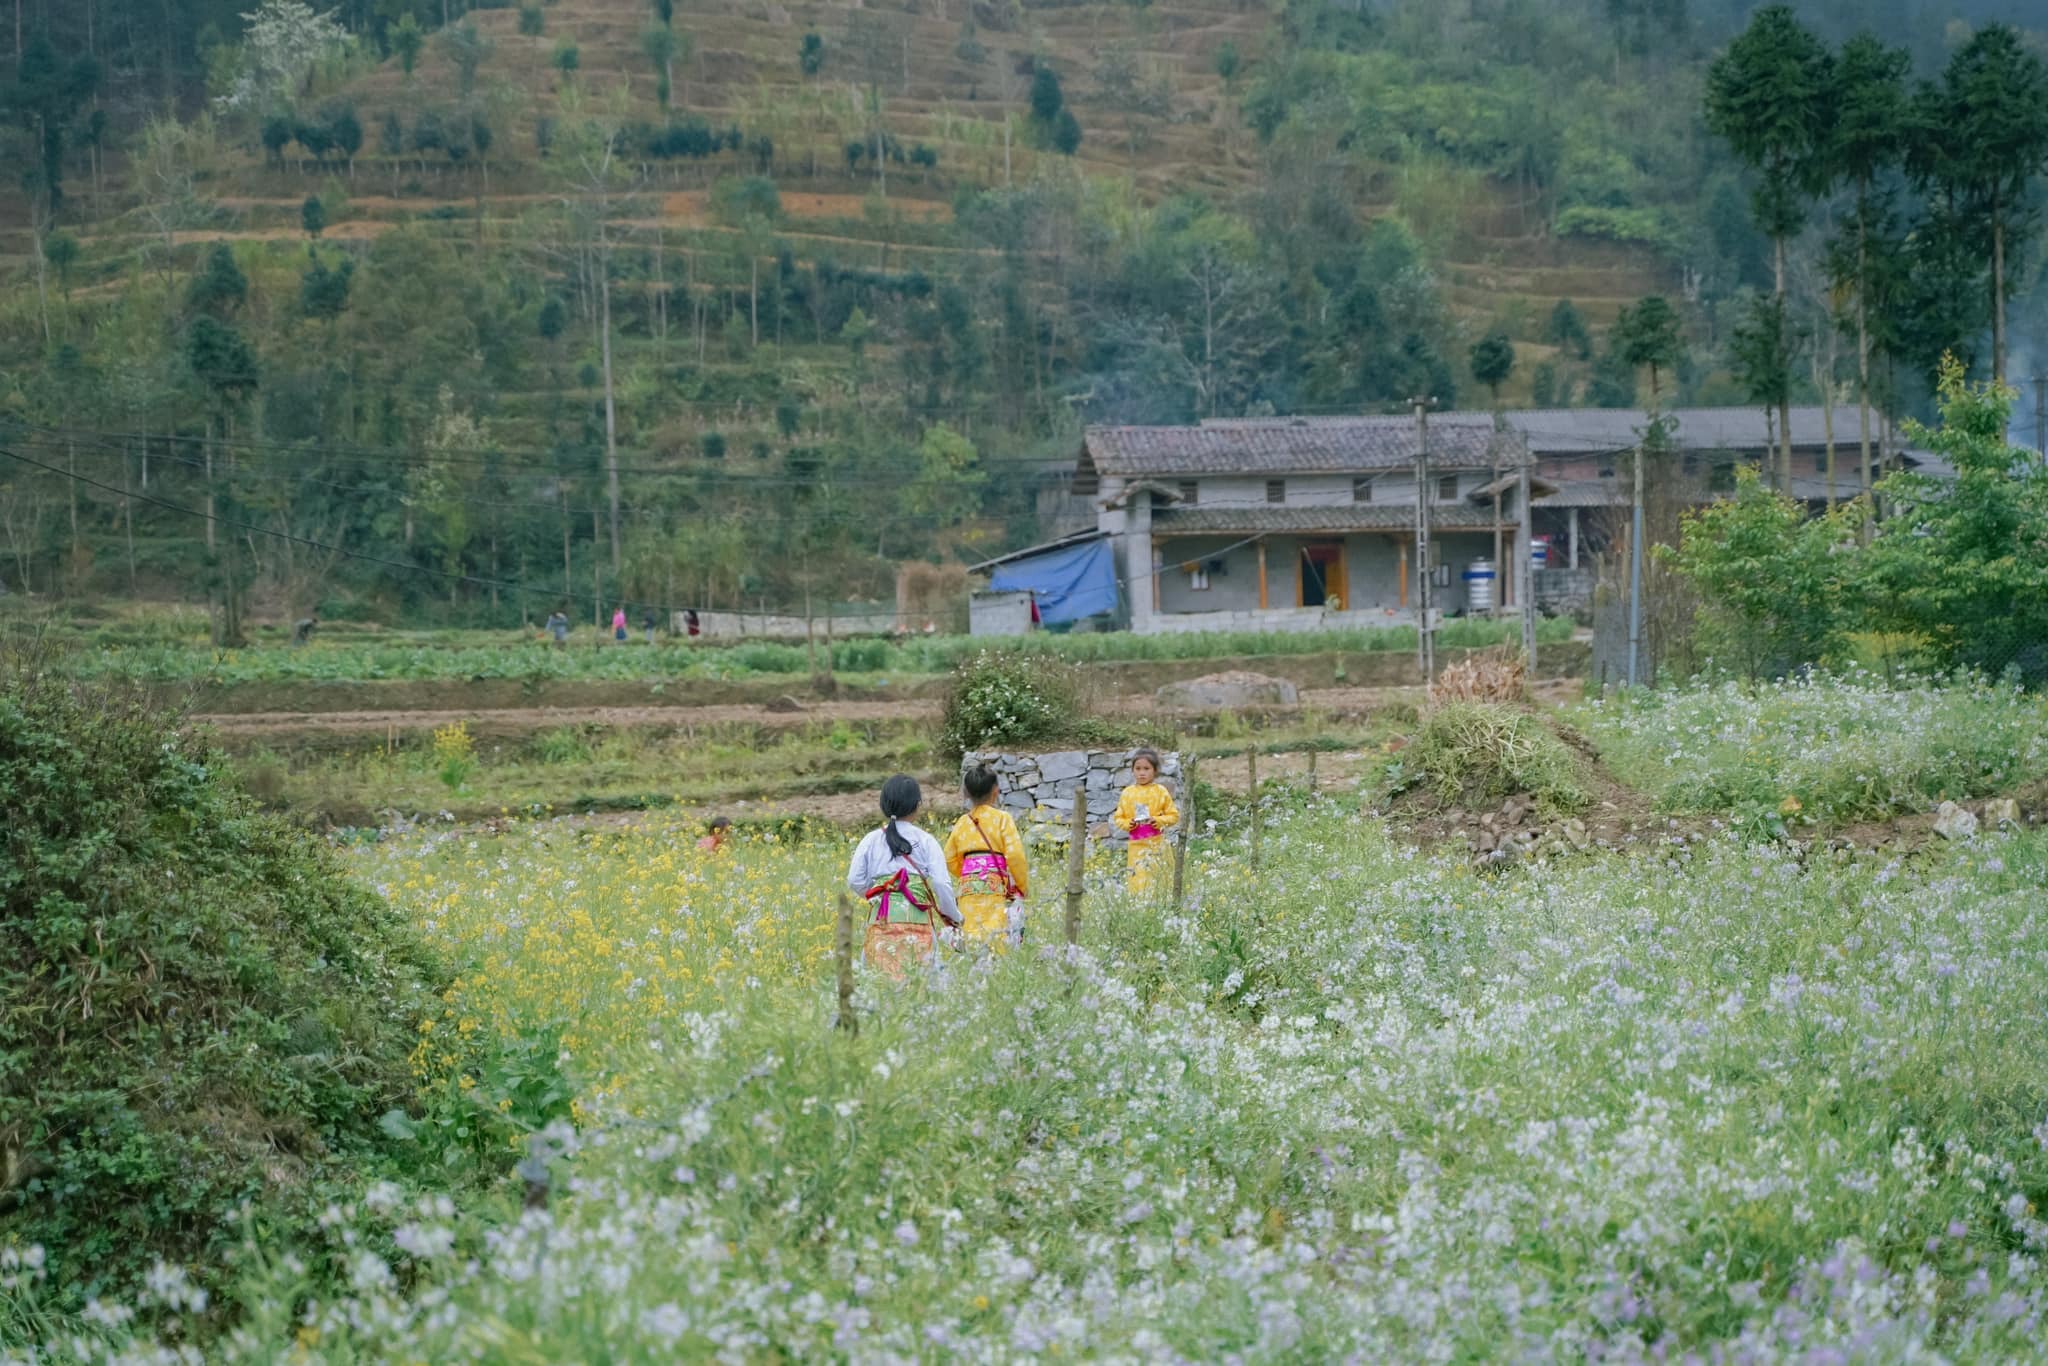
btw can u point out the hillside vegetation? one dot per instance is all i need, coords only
(711, 304)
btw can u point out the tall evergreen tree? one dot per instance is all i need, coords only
(1867, 140)
(1984, 136)
(1767, 97)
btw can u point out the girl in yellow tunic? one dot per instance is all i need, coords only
(985, 854)
(1145, 812)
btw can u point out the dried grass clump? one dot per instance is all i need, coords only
(1496, 675)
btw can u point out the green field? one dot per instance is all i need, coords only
(1711, 1093)
(439, 655)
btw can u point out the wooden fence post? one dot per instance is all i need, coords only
(1077, 854)
(1187, 830)
(1251, 769)
(1311, 772)
(843, 948)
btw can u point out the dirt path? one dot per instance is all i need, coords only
(510, 719)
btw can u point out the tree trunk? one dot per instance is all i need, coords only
(1784, 374)
(128, 515)
(611, 412)
(568, 566)
(1828, 425)
(754, 295)
(1863, 354)
(1997, 294)
(209, 483)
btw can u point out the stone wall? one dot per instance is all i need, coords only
(1039, 789)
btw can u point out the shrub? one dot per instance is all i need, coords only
(1004, 697)
(1476, 752)
(201, 1008)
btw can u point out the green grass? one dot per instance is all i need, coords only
(1827, 749)
(342, 656)
(1475, 753)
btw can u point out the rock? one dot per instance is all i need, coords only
(1514, 809)
(2001, 811)
(1575, 833)
(784, 705)
(1953, 822)
(1063, 767)
(1225, 690)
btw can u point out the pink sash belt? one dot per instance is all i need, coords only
(1148, 831)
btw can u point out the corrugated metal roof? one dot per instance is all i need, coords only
(1256, 446)
(1338, 517)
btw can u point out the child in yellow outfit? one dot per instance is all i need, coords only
(1145, 812)
(985, 854)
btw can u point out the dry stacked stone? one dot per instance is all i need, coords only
(1039, 789)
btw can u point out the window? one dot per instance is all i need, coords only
(1198, 578)
(1276, 490)
(1361, 490)
(1189, 490)
(1447, 488)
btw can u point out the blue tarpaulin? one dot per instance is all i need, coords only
(1069, 583)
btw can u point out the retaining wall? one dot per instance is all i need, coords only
(1039, 789)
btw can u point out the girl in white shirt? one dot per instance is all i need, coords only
(901, 871)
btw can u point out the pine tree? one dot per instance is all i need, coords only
(1767, 97)
(1985, 135)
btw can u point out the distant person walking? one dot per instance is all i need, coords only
(691, 625)
(901, 871)
(647, 624)
(558, 627)
(302, 630)
(619, 624)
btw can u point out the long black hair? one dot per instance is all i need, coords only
(901, 796)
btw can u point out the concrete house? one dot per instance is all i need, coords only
(1298, 523)
(1291, 523)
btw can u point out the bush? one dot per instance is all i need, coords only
(1005, 697)
(201, 1008)
(1479, 752)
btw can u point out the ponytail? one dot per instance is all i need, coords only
(901, 796)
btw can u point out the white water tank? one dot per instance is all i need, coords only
(1479, 576)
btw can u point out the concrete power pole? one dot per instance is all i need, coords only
(1425, 615)
(1525, 564)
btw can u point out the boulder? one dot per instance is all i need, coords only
(1229, 690)
(2001, 811)
(1953, 822)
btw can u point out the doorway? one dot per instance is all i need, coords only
(1322, 574)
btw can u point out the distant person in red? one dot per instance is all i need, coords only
(691, 624)
(619, 624)
(1034, 609)
(719, 832)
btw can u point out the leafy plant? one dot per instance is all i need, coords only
(1004, 697)
(454, 754)
(1483, 751)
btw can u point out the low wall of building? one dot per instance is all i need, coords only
(772, 626)
(1039, 789)
(1272, 619)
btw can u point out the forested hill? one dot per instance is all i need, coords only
(698, 301)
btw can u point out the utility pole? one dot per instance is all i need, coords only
(1635, 564)
(1525, 562)
(1425, 613)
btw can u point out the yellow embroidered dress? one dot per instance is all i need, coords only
(1146, 813)
(985, 854)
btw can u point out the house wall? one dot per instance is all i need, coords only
(1324, 490)
(1372, 572)
(1235, 589)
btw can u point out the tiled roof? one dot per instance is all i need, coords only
(1551, 431)
(1255, 446)
(1338, 517)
